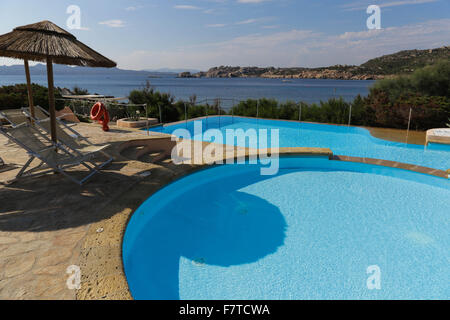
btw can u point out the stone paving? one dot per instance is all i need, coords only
(43, 221)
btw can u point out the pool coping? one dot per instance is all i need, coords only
(394, 164)
(103, 275)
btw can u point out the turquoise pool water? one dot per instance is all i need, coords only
(342, 140)
(310, 232)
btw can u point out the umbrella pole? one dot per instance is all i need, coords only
(30, 91)
(51, 98)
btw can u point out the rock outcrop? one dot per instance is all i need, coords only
(388, 66)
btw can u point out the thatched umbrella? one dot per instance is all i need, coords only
(46, 42)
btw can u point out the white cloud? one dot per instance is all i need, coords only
(270, 27)
(404, 3)
(362, 5)
(252, 1)
(247, 21)
(250, 21)
(217, 25)
(296, 48)
(186, 7)
(113, 23)
(191, 7)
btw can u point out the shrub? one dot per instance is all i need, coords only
(16, 97)
(156, 100)
(429, 81)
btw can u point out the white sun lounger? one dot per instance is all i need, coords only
(38, 146)
(67, 136)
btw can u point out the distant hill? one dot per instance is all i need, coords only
(169, 70)
(403, 62)
(41, 69)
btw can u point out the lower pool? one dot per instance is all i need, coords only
(310, 232)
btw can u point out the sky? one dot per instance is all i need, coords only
(199, 34)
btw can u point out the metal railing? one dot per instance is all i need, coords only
(211, 107)
(82, 108)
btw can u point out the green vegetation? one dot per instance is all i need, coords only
(171, 111)
(16, 97)
(426, 92)
(79, 91)
(405, 62)
(332, 111)
(429, 81)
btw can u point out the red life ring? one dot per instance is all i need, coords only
(100, 114)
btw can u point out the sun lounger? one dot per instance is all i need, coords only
(67, 136)
(42, 114)
(15, 117)
(53, 156)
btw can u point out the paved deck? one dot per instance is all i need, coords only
(44, 221)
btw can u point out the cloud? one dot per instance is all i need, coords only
(270, 27)
(296, 48)
(250, 21)
(186, 7)
(147, 5)
(217, 25)
(362, 5)
(247, 21)
(404, 3)
(113, 23)
(252, 1)
(191, 7)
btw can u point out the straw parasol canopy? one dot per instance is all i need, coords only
(46, 42)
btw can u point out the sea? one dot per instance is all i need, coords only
(230, 90)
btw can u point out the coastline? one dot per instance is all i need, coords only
(325, 74)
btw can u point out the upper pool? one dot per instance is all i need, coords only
(342, 140)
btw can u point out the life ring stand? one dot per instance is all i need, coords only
(100, 114)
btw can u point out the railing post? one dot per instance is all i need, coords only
(409, 125)
(218, 106)
(232, 112)
(350, 115)
(185, 113)
(300, 112)
(206, 113)
(257, 109)
(146, 117)
(160, 114)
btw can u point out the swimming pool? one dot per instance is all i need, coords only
(342, 140)
(309, 232)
